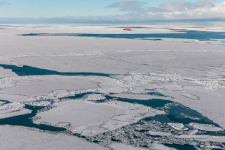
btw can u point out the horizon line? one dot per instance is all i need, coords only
(58, 20)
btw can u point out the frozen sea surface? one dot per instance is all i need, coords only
(157, 87)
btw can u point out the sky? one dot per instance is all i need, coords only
(110, 10)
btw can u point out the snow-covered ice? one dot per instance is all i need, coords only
(23, 138)
(101, 104)
(88, 118)
(13, 109)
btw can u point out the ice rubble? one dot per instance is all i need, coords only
(95, 97)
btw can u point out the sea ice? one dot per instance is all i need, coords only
(13, 109)
(23, 139)
(206, 127)
(190, 72)
(90, 118)
(178, 126)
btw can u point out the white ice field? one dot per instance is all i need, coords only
(62, 91)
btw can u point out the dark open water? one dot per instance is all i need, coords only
(180, 34)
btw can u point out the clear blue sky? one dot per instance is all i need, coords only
(81, 8)
(60, 8)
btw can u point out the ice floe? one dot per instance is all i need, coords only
(13, 109)
(24, 138)
(206, 127)
(96, 118)
(178, 126)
